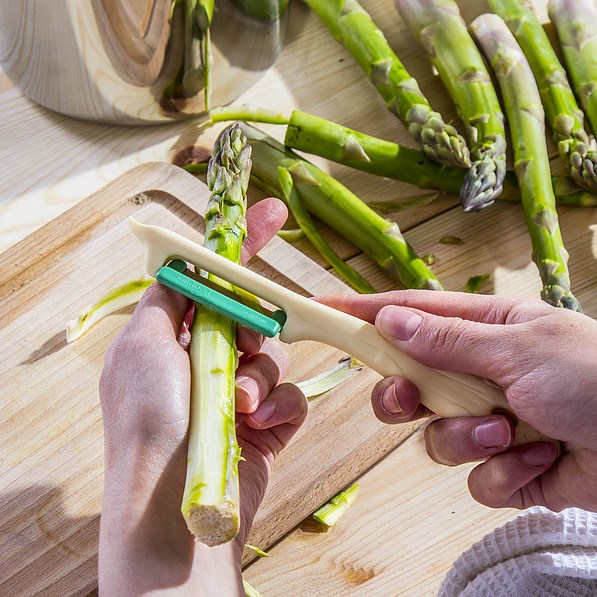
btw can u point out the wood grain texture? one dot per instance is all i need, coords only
(51, 441)
(397, 539)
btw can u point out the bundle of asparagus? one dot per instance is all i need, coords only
(527, 129)
(210, 500)
(443, 34)
(577, 149)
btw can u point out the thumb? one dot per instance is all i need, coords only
(447, 343)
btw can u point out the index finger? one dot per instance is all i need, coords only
(473, 307)
(264, 219)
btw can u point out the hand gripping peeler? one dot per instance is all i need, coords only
(298, 318)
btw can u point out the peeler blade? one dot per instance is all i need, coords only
(178, 277)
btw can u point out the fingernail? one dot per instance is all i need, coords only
(493, 434)
(264, 413)
(540, 454)
(398, 323)
(250, 387)
(390, 402)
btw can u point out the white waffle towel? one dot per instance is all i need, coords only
(538, 554)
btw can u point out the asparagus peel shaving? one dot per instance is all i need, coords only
(249, 590)
(441, 31)
(332, 511)
(211, 493)
(308, 227)
(328, 380)
(360, 151)
(527, 128)
(110, 302)
(351, 24)
(576, 148)
(576, 24)
(330, 201)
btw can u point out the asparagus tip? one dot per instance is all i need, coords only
(583, 168)
(483, 183)
(441, 142)
(557, 296)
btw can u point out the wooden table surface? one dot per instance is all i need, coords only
(412, 517)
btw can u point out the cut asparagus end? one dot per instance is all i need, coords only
(213, 524)
(483, 183)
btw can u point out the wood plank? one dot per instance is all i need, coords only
(51, 441)
(412, 518)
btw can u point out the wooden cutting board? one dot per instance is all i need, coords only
(51, 441)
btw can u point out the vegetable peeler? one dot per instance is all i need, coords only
(299, 318)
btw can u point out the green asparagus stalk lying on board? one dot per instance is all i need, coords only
(527, 129)
(351, 24)
(576, 24)
(211, 493)
(336, 206)
(440, 29)
(303, 219)
(577, 149)
(338, 143)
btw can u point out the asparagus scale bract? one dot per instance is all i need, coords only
(527, 129)
(351, 24)
(330, 201)
(210, 500)
(576, 24)
(443, 34)
(577, 149)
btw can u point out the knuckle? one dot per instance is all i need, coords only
(447, 337)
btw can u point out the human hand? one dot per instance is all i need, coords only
(144, 392)
(544, 359)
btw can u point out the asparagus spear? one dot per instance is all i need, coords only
(343, 145)
(210, 500)
(338, 143)
(440, 29)
(576, 24)
(352, 25)
(335, 205)
(527, 129)
(305, 222)
(576, 147)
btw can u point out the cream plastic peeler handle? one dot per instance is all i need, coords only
(446, 394)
